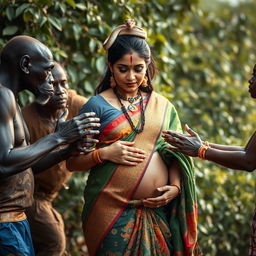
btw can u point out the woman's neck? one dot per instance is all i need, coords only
(126, 94)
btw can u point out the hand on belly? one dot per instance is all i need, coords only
(154, 188)
(168, 193)
(155, 176)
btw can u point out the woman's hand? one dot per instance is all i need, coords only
(169, 193)
(187, 144)
(122, 152)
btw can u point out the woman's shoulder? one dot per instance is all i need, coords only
(162, 98)
(91, 104)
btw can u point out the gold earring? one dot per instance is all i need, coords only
(112, 81)
(144, 82)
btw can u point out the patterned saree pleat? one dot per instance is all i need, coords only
(145, 233)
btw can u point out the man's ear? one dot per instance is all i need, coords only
(25, 63)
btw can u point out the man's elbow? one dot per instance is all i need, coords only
(249, 166)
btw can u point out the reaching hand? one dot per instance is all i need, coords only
(122, 152)
(169, 193)
(77, 127)
(187, 144)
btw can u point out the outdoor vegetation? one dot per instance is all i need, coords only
(205, 55)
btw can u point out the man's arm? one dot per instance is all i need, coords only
(14, 160)
(241, 158)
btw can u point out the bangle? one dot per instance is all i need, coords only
(178, 187)
(96, 156)
(201, 152)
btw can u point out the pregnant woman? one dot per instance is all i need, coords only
(140, 197)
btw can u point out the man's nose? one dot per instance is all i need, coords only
(251, 80)
(50, 78)
(60, 89)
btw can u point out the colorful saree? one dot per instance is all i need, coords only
(110, 188)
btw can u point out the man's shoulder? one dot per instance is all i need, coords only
(6, 95)
(7, 102)
(30, 107)
(74, 96)
(5, 90)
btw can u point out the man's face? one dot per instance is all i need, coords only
(252, 83)
(40, 75)
(60, 86)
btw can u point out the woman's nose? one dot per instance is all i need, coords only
(130, 75)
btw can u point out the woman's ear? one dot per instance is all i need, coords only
(110, 65)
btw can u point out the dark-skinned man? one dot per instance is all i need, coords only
(46, 224)
(26, 64)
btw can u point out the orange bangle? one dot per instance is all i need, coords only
(174, 185)
(201, 152)
(96, 156)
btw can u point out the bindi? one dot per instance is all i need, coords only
(131, 58)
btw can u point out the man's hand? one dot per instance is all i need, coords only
(77, 127)
(187, 144)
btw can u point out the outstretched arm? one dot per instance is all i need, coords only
(15, 154)
(59, 155)
(242, 158)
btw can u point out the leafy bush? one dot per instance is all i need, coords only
(205, 57)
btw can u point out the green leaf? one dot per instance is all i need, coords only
(21, 9)
(55, 22)
(10, 30)
(10, 13)
(72, 3)
(81, 6)
(42, 21)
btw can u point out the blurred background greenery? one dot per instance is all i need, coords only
(205, 54)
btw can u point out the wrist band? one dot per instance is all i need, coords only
(96, 156)
(174, 185)
(201, 152)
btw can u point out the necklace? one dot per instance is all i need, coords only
(132, 107)
(142, 112)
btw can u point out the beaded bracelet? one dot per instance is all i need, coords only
(96, 156)
(174, 185)
(201, 152)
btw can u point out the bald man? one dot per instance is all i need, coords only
(46, 224)
(26, 64)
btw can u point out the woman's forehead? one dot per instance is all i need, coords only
(131, 58)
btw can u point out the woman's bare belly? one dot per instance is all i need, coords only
(155, 176)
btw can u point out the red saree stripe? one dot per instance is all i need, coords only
(117, 192)
(119, 120)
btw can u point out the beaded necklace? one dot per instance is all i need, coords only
(123, 108)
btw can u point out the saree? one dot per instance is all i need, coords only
(110, 187)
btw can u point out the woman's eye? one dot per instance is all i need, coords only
(138, 70)
(122, 70)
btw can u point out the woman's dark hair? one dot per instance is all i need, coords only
(123, 45)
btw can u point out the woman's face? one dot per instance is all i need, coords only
(252, 83)
(129, 72)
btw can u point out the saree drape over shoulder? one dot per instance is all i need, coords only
(110, 215)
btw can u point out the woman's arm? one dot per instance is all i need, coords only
(120, 152)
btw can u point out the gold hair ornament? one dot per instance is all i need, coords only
(128, 28)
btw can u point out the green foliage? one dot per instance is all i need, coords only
(204, 56)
